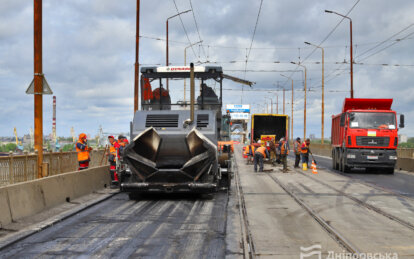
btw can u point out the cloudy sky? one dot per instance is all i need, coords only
(89, 45)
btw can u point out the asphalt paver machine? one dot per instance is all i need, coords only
(174, 144)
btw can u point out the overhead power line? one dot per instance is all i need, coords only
(326, 37)
(182, 23)
(384, 41)
(198, 31)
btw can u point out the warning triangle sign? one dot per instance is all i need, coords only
(46, 88)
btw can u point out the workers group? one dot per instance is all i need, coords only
(277, 153)
(114, 153)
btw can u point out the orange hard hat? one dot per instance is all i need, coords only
(82, 136)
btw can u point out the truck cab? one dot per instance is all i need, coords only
(365, 135)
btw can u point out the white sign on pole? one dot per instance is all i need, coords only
(238, 108)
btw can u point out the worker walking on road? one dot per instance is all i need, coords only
(83, 152)
(112, 159)
(305, 152)
(284, 151)
(259, 155)
(297, 150)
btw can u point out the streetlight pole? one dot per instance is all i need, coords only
(167, 53)
(185, 62)
(304, 108)
(291, 126)
(323, 91)
(271, 104)
(350, 49)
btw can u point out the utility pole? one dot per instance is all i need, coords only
(323, 91)
(291, 126)
(38, 85)
(304, 108)
(271, 104)
(350, 49)
(136, 76)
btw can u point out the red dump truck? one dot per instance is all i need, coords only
(365, 135)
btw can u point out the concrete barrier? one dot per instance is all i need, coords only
(28, 198)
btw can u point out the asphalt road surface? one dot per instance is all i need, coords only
(182, 226)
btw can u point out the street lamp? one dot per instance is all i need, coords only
(291, 129)
(167, 54)
(271, 104)
(304, 109)
(350, 49)
(185, 62)
(323, 92)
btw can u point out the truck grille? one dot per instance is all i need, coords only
(162, 120)
(373, 141)
(202, 120)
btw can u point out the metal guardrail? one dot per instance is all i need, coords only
(21, 168)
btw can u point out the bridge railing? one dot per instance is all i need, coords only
(21, 168)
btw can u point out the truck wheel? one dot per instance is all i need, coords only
(333, 159)
(336, 159)
(347, 169)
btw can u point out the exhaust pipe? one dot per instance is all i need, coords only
(192, 93)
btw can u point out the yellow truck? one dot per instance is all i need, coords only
(267, 127)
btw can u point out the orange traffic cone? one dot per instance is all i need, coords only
(314, 170)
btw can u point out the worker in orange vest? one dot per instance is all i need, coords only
(259, 155)
(121, 145)
(305, 152)
(284, 152)
(83, 152)
(297, 150)
(112, 159)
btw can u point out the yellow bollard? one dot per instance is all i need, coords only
(305, 167)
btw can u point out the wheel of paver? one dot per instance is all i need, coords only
(390, 170)
(133, 196)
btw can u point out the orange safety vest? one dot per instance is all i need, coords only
(112, 150)
(83, 155)
(262, 151)
(304, 148)
(283, 149)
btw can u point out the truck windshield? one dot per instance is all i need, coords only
(372, 120)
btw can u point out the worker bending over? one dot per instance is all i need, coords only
(83, 152)
(284, 151)
(259, 155)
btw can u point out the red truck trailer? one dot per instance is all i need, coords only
(365, 135)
